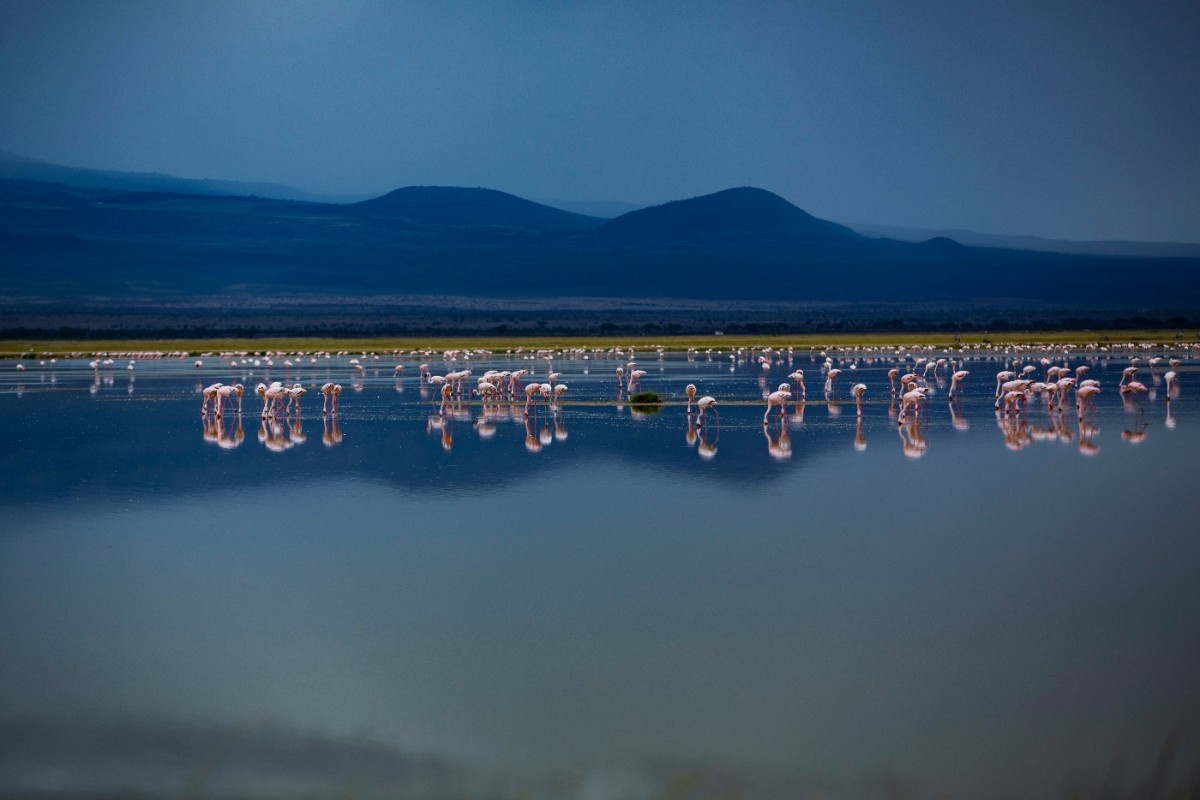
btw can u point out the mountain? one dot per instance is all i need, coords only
(743, 244)
(444, 205)
(730, 214)
(15, 167)
(1129, 249)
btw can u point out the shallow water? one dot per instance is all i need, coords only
(597, 603)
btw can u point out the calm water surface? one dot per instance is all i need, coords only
(597, 603)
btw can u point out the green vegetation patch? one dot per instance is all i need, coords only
(646, 402)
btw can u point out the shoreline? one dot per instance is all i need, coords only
(194, 346)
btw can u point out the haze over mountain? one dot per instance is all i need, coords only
(16, 167)
(741, 244)
(1102, 247)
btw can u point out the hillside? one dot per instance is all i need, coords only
(732, 214)
(61, 241)
(15, 167)
(443, 205)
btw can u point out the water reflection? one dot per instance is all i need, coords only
(331, 433)
(779, 444)
(215, 430)
(674, 608)
(1031, 391)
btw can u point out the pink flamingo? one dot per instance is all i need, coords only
(294, 394)
(330, 392)
(209, 394)
(531, 393)
(223, 393)
(956, 382)
(911, 399)
(690, 390)
(1001, 377)
(798, 379)
(1084, 395)
(831, 379)
(779, 398)
(860, 392)
(447, 394)
(704, 404)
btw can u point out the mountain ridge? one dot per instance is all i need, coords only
(453, 205)
(736, 244)
(18, 167)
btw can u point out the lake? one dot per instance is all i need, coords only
(597, 601)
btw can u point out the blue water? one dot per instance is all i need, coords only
(597, 602)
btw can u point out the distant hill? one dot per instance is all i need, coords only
(1131, 249)
(61, 241)
(15, 167)
(732, 213)
(443, 205)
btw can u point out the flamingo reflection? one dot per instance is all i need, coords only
(779, 444)
(215, 432)
(912, 438)
(332, 433)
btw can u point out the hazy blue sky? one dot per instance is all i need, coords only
(1073, 119)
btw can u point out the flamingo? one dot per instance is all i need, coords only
(1001, 377)
(911, 399)
(531, 393)
(295, 393)
(798, 378)
(222, 394)
(272, 395)
(704, 404)
(209, 394)
(238, 391)
(859, 391)
(778, 398)
(1014, 401)
(831, 379)
(956, 382)
(330, 392)
(1172, 379)
(1083, 396)
(690, 390)
(893, 373)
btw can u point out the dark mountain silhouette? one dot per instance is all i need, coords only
(740, 244)
(1112, 247)
(730, 214)
(15, 167)
(443, 205)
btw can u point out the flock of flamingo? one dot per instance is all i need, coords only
(911, 381)
(1030, 375)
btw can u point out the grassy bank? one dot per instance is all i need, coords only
(194, 347)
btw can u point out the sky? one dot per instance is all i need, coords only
(1077, 119)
